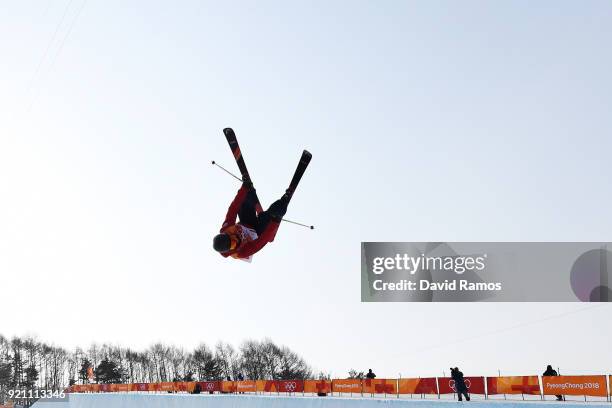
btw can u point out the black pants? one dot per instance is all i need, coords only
(248, 216)
(462, 392)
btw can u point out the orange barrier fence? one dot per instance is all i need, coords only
(228, 386)
(583, 385)
(527, 384)
(291, 386)
(592, 385)
(417, 386)
(270, 386)
(475, 385)
(120, 387)
(210, 386)
(318, 386)
(246, 386)
(185, 387)
(139, 387)
(166, 387)
(346, 386)
(379, 386)
(266, 386)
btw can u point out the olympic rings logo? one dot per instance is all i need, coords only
(210, 386)
(290, 386)
(451, 383)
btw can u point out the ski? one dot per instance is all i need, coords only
(233, 144)
(299, 172)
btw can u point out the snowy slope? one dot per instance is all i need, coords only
(132, 400)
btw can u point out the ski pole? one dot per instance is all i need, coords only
(227, 171)
(239, 179)
(300, 224)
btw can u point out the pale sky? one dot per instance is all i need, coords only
(428, 121)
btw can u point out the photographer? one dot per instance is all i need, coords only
(460, 386)
(550, 372)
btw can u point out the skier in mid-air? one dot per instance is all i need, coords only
(255, 227)
(253, 232)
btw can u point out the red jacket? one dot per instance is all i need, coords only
(247, 246)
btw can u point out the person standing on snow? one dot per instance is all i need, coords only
(241, 240)
(370, 375)
(240, 377)
(552, 373)
(460, 386)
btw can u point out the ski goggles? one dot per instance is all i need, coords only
(234, 242)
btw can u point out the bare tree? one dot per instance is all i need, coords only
(252, 360)
(27, 362)
(206, 365)
(292, 366)
(227, 359)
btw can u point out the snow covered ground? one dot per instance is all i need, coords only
(134, 400)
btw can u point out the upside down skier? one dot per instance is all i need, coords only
(241, 240)
(255, 227)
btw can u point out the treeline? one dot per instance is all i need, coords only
(29, 363)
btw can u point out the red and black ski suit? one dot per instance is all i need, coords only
(265, 224)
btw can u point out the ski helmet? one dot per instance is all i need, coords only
(222, 243)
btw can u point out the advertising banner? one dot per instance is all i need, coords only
(528, 384)
(380, 386)
(347, 386)
(417, 386)
(210, 386)
(246, 386)
(486, 272)
(155, 387)
(166, 386)
(184, 386)
(190, 386)
(592, 385)
(228, 386)
(104, 388)
(290, 386)
(120, 387)
(475, 385)
(267, 386)
(139, 387)
(318, 386)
